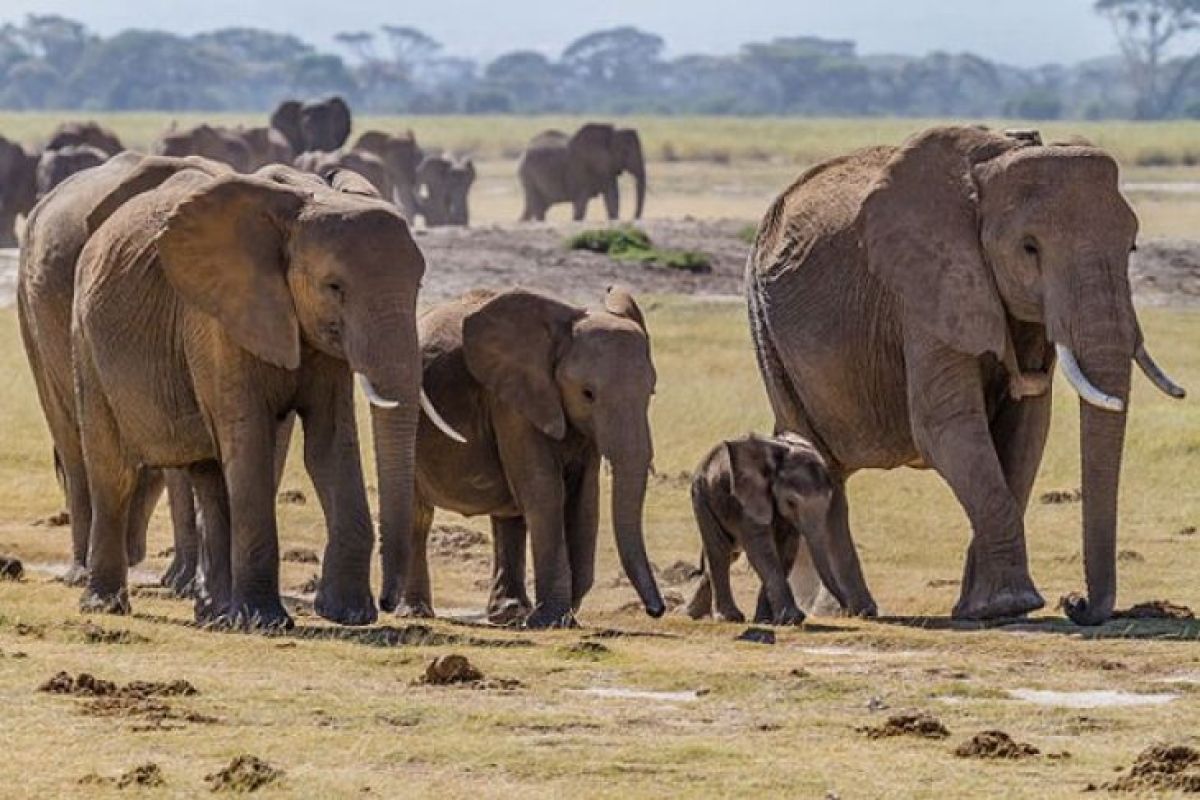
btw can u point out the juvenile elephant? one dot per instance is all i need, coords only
(557, 168)
(542, 390)
(55, 166)
(318, 125)
(207, 309)
(92, 134)
(446, 185)
(18, 187)
(764, 495)
(907, 304)
(401, 156)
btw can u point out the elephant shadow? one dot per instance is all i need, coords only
(1184, 630)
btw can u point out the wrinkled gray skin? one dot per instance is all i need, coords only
(89, 133)
(764, 495)
(557, 168)
(216, 143)
(255, 296)
(18, 187)
(905, 305)
(55, 166)
(401, 156)
(542, 391)
(445, 187)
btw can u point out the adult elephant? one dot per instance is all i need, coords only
(542, 390)
(286, 119)
(906, 306)
(92, 134)
(401, 156)
(18, 187)
(254, 297)
(56, 165)
(204, 140)
(445, 187)
(557, 168)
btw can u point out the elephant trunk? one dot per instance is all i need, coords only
(638, 170)
(630, 468)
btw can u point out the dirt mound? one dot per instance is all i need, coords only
(245, 773)
(308, 586)
(680, 572)
(458, 542)
(995, 744)
(921, 725)
(59, 520)
(300, 555)
(1059, 496)
(1155, 609)
(757, 636)
(1161, 768)
(11, 569)
(291, 497)
(143, 775)
(456, 670)
(86, 685)
(94, 634)
(591, 651)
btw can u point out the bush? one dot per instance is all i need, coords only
(628, 243)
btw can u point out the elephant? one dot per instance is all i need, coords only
(908, 305)
(89, 133)
(18, 187)
(446, 184)
(56, 165)
(557, 168)
(319, 125)
(253, 296)
(365, 164)
(764, 495)
(542, 390)
(215, 143)
(266, 146)
(401, 156)
(286, 119)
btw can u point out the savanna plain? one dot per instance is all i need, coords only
(626, 706)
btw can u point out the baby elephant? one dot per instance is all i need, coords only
(761, 494)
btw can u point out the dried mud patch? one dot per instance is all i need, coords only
(1056, 497)
(59, 520)
(1155, 609)
(458, 543)
(87, 685)
(95, 634)
(414, 635)
(245, 773)
(300, 555)
(137, 701)
(1161, 768)
(920, 725)
(143, 776)
(995, 745)
(11, 568)
(457, 670)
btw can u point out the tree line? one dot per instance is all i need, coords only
(50, 62)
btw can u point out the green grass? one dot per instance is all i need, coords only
(627, 243)
(340, 717)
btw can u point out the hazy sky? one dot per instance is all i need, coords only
(1021, 32)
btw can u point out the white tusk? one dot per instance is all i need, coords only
(436, 419)
(372, 395)
(1086, 389)
(1156, 375)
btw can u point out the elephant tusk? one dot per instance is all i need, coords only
(372, 395)
(1156, 375)
(1080, 383)
(436, 419)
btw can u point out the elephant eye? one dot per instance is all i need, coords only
(589, 394)
(1133, 247)
(334, 288)
(1030, 247)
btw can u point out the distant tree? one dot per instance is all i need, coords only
(57, 40)
(529, 79)
(1036, 104)
(1145, 30)
(619, 60)
(410, 46)
(361, 43)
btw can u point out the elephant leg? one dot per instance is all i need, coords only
(701, 603)
(79, 504)
(579, 208)
(180, 576)
(719, 554)
(508, 601)
(582, 527)
(331, 457)
(950, 429)
(826, 529)
(612, 200)
(283, 443)
(213, 585)
(418, 586)
(146, 494)
(761, 551)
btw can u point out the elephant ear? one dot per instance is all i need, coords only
(512, 344)
(921, 230)
(619, 300)
(149, 173)
(223, 249)
(592, 146)
(751, 468)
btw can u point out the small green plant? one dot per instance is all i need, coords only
(627, 243)
(748, 234)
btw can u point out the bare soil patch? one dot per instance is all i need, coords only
(996, 745)
(920, 725)
(458, 543)
(87, 685)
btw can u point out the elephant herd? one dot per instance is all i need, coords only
(907, 306)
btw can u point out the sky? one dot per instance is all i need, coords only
(1025, 33)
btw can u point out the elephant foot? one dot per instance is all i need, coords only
(508, 611)
(180, 577)
(345, 607)
(1003, 596)
(547, 616)
(76, 575)
(729, 615)
(415, 609)
(789, 616)
(95, 601)
(209, 611)
(135, 549)
(266, 615)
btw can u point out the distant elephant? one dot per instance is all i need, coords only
(89, 133)
(253, 296)
(368, 165)
(446, 185)
(764, 495)
(325, 124)
(266, 146)
(55, 166)
(542, 390)
(286, 119)
(557, 168)
(215, 143)
(907, 304)
(18, 187)
(401, 156)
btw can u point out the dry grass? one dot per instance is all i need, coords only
(341, 717)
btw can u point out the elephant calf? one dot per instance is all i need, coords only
(762, 495)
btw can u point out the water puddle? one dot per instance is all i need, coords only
(617, 693)
(1099, 698)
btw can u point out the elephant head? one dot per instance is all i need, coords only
(55, 166)
(286, 119)
(566, 369)
(599, 153)
(446, 185)
(401, 156)
(88, 133)
(628, 148)
(970, 228)
(18, 187)
(461, 178)
(325, 124)
(266, 145)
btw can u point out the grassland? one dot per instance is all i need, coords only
(342, 717)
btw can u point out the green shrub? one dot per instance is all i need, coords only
(627, 243)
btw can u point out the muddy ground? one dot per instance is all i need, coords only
(1165, 272)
